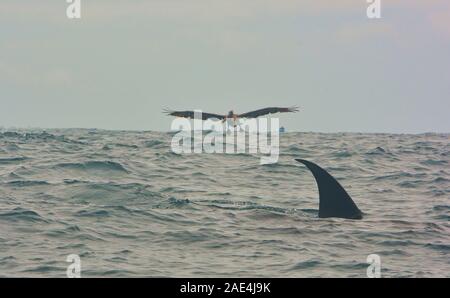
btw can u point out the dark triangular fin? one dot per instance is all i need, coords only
(334, 201)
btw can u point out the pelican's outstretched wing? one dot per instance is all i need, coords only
(266, 111)
(190, 114)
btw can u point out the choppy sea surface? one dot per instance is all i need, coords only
(130, 207)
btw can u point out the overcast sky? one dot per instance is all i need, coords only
(124, 61)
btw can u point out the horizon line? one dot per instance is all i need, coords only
(11, 128)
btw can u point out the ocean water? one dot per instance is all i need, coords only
(130, 207)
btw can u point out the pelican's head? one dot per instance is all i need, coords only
(230, 113)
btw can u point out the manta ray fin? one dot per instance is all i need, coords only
(334, 201)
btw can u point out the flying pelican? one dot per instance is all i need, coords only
(231, 114)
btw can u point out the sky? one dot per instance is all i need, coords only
(125, 61)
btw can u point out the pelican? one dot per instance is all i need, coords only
(231, 115)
